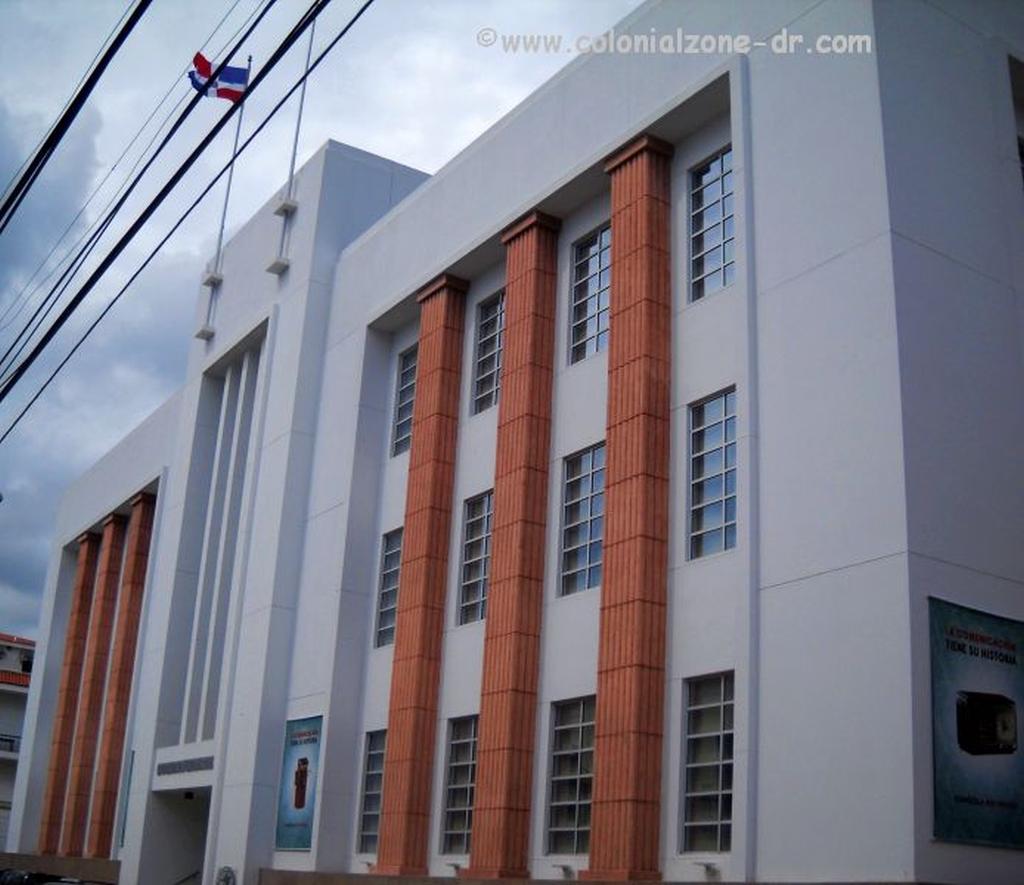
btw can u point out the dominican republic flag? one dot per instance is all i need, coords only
(230, 84)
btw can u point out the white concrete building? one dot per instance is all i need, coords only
(804, 426)
(16, 654)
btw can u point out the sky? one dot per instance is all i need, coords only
(410, 82)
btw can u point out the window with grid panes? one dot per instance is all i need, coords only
(459, 786)
(373, 786)
(713, 475)
(591, 287)
(583, 520)
(405, 392)
(712, 226)
(490, 332)
(707, 784)
(572, 768)
(387, 595)
(476, 557)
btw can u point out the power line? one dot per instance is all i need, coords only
(18, 303)
(23, 185)
(58, 289)
(81, 79)
(181, 220)
(308, 17)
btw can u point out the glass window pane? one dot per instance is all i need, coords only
(457, 820)
(709, 438)
(702, 778)
(570, 778)
(709, 239)
(708, 489)
(709, 542)
(703, 749)
(708, 172)
(711, 224)
(582, 525)
(701, 838)
(705, 720)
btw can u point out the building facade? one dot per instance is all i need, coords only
(16, 655)
(586, 509)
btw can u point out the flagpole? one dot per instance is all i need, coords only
(287, 207)
(302, 101)
(231, 172)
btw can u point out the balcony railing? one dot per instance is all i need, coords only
(10, 743)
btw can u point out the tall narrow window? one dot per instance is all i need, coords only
(459, 786)
(572, 767)
(387, 596)
(712, 226)
(490, 333)
(707, 788)
(476, 557)
(713, 475)
(583, 520)
(373, 785)
(405, 392)
(592, 280)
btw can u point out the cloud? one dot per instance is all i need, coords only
(132, 363)
(409, 82)
(20, 610)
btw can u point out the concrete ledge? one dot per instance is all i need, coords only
(86, 868)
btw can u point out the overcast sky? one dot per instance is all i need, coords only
(409, 82)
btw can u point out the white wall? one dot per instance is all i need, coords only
(957, 218)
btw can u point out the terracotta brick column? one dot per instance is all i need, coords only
(501, 813)
(122, 665)
(67, 696)
(412, 715)
(94, 675)
(631, 658)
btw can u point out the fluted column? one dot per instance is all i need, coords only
(501, 813)
(625, 821)
(119, 688)
(94, 675)
(67, 696)
(416, 671)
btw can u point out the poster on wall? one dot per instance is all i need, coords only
(977, 708)
(296, 804)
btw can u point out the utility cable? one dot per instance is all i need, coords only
(23, 297)
(64, 280)
(20, 189)
(307, 19)
(31, 153)
(181, 220)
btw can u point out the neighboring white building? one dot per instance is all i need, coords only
(708, 633)
(16, 655)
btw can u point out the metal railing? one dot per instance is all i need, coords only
(10, 743)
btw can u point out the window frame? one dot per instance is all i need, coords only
(550, 804)
(691, 455)
(691, 233)
(402, 442)
(480, 603)
(571, 322)
(563, 526)
(382, 573)
(446, 809)
(368, 750)
(492, 395)
(723, 825)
